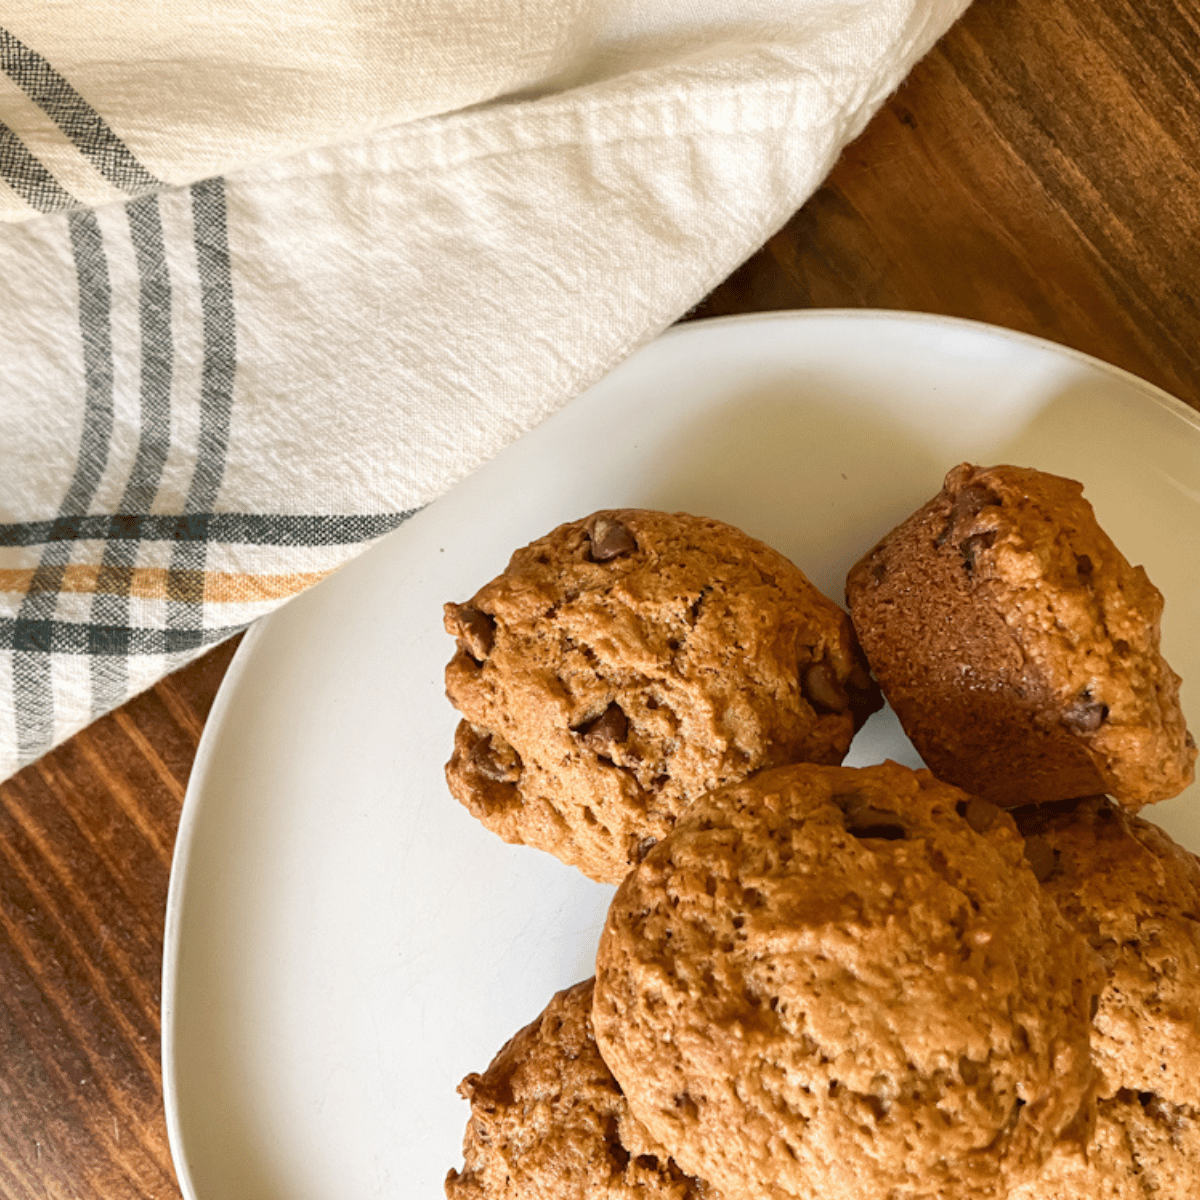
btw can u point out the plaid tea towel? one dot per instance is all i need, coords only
(274, 276)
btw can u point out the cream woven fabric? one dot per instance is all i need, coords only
(274, 276)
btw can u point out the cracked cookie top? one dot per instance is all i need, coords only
(1019, 648)
(548, 1122)
(847, 983)
(625, 664)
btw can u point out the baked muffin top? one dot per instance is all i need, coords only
(846, 983)
(1019, 648)
(624, 665)
(1134, 894)
(548, 1122)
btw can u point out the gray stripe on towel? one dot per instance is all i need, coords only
(33, 697)
(84, 127)
(29, 178)
(110, 604)
(185, 591)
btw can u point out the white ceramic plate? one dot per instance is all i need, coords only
(343, 941)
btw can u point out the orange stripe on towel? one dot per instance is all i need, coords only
(157, 583)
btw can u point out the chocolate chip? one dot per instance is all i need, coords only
(1085, 715)
(494, 758)
(476, 631)
(821, 688)
(1040, 854)
(600, 732)
(1083, 565)
(980, 815)
(971, 501)
(610, 539)
(644, 847)
(973, 546)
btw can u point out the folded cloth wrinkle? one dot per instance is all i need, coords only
(200, 89)
(218, 391)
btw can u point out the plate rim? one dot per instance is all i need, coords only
(176, 884)
(1172, 403)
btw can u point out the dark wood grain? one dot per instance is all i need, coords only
(86, 836)
(1039, 170)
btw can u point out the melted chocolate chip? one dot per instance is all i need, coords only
(644, 847)
(821, 688)
(974, 546)
(610, 539)
(493, 760)
(970, 502)
(610, 726)
(476, 630)
(1085, 715)
(1084, 567)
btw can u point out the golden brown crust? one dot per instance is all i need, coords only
(1135, 895)
(601, 698)
(838, 983)
(548, 1122)
(1019, 648)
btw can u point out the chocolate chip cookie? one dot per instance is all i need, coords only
(847, 983)
(1018, 647)
(624, 665)
(548, 1122)
(1135, 896)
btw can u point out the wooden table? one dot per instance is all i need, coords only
(1039, 170)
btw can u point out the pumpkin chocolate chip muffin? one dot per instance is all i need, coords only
(1135, 896)
(624, 665)
(1018, 647)
(847, 983)
(548, 1122)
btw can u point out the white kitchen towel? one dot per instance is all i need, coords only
(274, 276)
